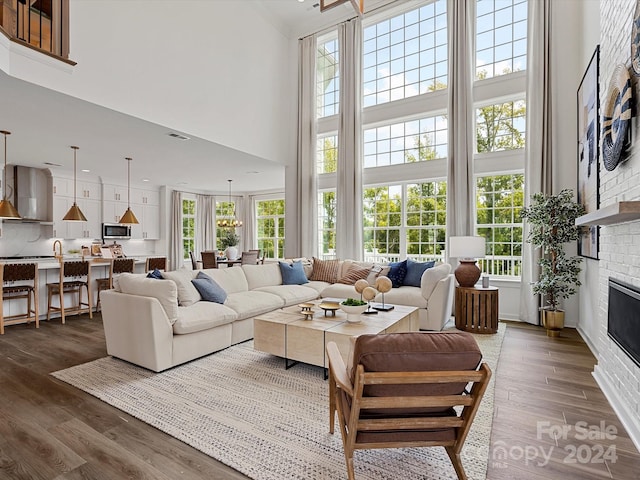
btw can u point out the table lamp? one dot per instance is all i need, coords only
(467, 250)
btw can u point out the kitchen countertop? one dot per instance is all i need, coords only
(46, 263)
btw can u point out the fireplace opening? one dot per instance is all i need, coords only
(624, 317)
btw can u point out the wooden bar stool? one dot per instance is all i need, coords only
(117, 266)
(19, 272)
(80, 274)
(153, 263)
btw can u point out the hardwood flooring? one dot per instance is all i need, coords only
(50, 430)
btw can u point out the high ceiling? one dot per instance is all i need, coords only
(45, 123)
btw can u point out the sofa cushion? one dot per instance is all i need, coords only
(415, 271)
(397, 272)
(291, 294)
(209, 289)
(292, 273)
(165, 291)
(377, 271)
(262, 275)
(317, 286)
(251, 303)
(187, 293)
(432, 276)
(325, 270)
(340, 290)
(410, 296)
(307, 265)
(354, 274)
(202, 316)
(231, 279)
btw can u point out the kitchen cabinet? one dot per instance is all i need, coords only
(149, 226)
(63, 186)
(91, 229)
(145, 197)
(114, 193)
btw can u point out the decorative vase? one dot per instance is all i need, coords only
(231, 253)
(553, 321)
(353, 312)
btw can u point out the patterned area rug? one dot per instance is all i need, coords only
(244, 409)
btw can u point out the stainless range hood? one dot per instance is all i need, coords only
(30, 190)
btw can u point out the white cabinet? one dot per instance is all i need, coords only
(112, 211)
(145, 197)
(114, 193)
(63, 186)
(91, 209)
(149, 226)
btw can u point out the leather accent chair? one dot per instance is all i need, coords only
(400, 390)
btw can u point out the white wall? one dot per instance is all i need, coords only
(216, 70)
(616, 373)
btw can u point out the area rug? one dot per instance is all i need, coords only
(244, 409)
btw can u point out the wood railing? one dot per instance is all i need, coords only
(39, 24)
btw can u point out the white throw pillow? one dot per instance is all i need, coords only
(187, 293)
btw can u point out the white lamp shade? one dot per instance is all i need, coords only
(467, 247)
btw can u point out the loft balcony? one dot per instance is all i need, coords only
(42, 25)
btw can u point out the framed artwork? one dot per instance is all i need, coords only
(588, 153)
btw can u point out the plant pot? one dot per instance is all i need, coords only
(353, 312)
(231, 253)
(553, 321)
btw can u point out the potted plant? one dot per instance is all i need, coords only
(229, 241)
(552, 224)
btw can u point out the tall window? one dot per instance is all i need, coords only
(327, 154)
(270, 227)
(406, 142)
(328, 78)
(406, 55)
(501, 37)
(224, 210)
(500, 127)
(188, 227)
(499, 200)
(327, 223)
(405, 220)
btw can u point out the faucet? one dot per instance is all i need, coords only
(56, 254)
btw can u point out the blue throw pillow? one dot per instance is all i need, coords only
(415, 271)
(157, 274)
(209, 289)
(397, 272)
(293, 273)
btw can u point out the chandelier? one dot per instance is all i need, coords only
(230, 222)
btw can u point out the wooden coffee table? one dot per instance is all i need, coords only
(287, 334)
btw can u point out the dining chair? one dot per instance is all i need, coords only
(209, 259)
(249, 258)
(19, 281)
(195, 263)
(260, 260)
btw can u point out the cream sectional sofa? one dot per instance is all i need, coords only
(158, 324)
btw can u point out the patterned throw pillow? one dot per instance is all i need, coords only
(397, 272)
(354, 274)
(325, 270)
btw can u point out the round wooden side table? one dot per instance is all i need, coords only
(477, 309)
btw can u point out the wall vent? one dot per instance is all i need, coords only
(178, 136)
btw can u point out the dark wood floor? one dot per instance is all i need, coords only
(50, 430)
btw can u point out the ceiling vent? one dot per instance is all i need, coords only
(178, 136)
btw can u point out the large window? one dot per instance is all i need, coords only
(500, 127)
(406, 55)
(327, 223)
(499, 200)
(327, 154)
(188, 227)
(224, 210)
(406, 142)
(501, 37)
(405, 220)
(328, 78)
(270, 227)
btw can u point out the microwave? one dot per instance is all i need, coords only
(111, 231)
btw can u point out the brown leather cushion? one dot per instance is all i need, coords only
(412, 352)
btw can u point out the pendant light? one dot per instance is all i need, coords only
(129, 217)
(230, 223)
(7, 210)
(74, 214)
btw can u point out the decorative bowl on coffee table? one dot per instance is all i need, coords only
(353, 312)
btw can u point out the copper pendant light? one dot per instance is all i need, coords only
(74, 214)
(129, 217)
(7, 210)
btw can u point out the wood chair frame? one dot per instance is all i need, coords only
(75, 270)
(339, 383)
(19, 273)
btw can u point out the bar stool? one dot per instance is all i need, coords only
(79, 272)
(117, 266)
(19, 272)
(154, 263)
